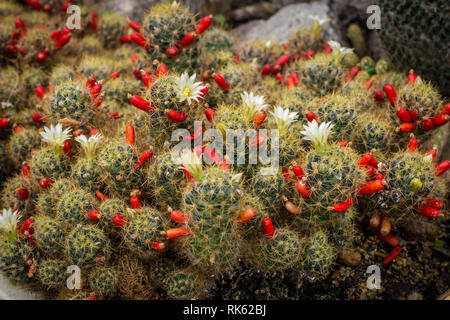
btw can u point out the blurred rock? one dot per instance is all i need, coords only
(261, 10)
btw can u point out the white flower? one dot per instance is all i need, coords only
(9, 220)
(55, 136)
(190, 162)
(318, 135)
(319, 20)
(283, 117)
(252, 104)
(89, 144)
(338, 50)
(187, 89)
(268, 43)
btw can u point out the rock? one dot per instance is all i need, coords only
(285, 21)
(257, 11)
(350, 257)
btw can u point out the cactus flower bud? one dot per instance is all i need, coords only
(269, 230)
(371, 187)
(119, 221)
(412, 144)
(221, 82)
(403, 115)
(442, 167)
(140, 103)
(204, 23)
(94, 215)
(172, 51)
(210, 115)
(391, 94)
(187, 39)
(177, 232)
(45, 183)
(23, 193)
(130, 135)
(40, 91)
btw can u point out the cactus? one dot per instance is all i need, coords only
(47, 201)
(103, 281)
(111, 27)
(108, 209)
(20, 192)
(317, 256)
(74, 206)
(86, 246)
(354, 33)
(184, 285)
(367, 63)
(86, 171)
(22, 143)
(51, 273)
(308, 39)
(99, 67)
(48, 235)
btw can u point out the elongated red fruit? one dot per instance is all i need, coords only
(310, 116)
(38, 118)
(434, 203)
(135, 203)
(412, 78)
(136, 26)
(427, 124)
(366, 159)
(302, 189)
(175, 116)
(446, 109)
(266, 70)
(343, 143)
(114, 75)
(298, 171)
(221, 82)
(67, 147)
(378, 96)
(212, 154)
(343, 206)
(90, 82)
(210, 115)
(392, 255)
(177, 216)
(101, 196)
(129, 134)
(158, 246)
(139, 40)
(204, 90)
(28, 226)
(414, 114)
(126, 39)
(246, 215)
(391, 94)
(187, 39)
(23, 193)
(428, 212)
(119, 221)
(442, 167)
(161, 70)
(412, 144)
(403, 115)
(177, 232)
(371, 187)
(145, 156)
(406, 127)
(26, 171)
(140, 103)
(432, 152)
(389, 239)
(283, 59)
(147, 80)
(172, 51)
(308, 54)
(290, 82)
(62, 41)
(352, 73)
(440, 119)
(40, 91)
(368, 84)
(204, 23)
(95, 90)
(295, 77)
(259, 118)
(327, 48)
(269, 230)
(94, 215)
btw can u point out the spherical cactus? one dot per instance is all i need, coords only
(110, 208)
(19, 192)
(317, 256)
(216, 40)
(119, 88)
(276, 254)
(268, 187)
(11, 92)
(74, 206)
(143, 231)
(308, 39)
(160, 270)
(51, 273)
(343, 230)
(374, 133)
(47, 201)
(367, 63)
(22, 143)
(86, 246)
(15, 255)
(99, 67)
(185, 285)
(111, 27)
(86, 171)
(103, 281)
(61, 73)
(48, 235)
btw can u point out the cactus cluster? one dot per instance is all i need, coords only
(94, 174)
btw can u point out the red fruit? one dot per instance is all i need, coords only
(12, 49)
(145, 156)
(161, 70)
(4, 122)
(136, 26)
(172, 51)
(42, 56)
(28, 226)
(432, 152)
(343, 143)
(114, 75)
(379, 96)
(246, 215)
(135, 203)
(140, 103)
(446, 109)
(174, 116)
(210, 115)
(368, 84)
(95, 90)
(414, 114)
(403, 115)
(309, 54)
(371, 170)
(147, 80)
(45, 183)
(290, 82)
(140, 40)
(187, 39)
(310, 116)
(177, 216)
(62, 41)
(36, 117)
(391, 94)
(434, 203)
(204, 23)
(67, 147)
(327, 48)
(406, 127)
(258, 140)
(295, 77)
(412, 144)
(93, 26)
(296, 56)
(302, 189)
(392, 255)
(389, 239)
(204, 90)
(442, 167)
(343, 206)
(98, 101)
(221, 82)
(440, 119)
(266, 70)
(158, 246)
(130, 135)
(211, 154)
(282, 60)
(427, 124)
(40, 91)
(298, 171)
(259, 118)
(379, 176)
(366, 159)
(279, 77)
(286, 46)
(285, 174)
(23, 193)
(371, 187)
(126, 39)
(269, 230)
(412, 78)
(90, 82)
(177, 232)
(20, 24)
(352, 74)
(55, 34)
(119, 221)
(94, 215)
(26, 171)
(101, 196)
(237, 58)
